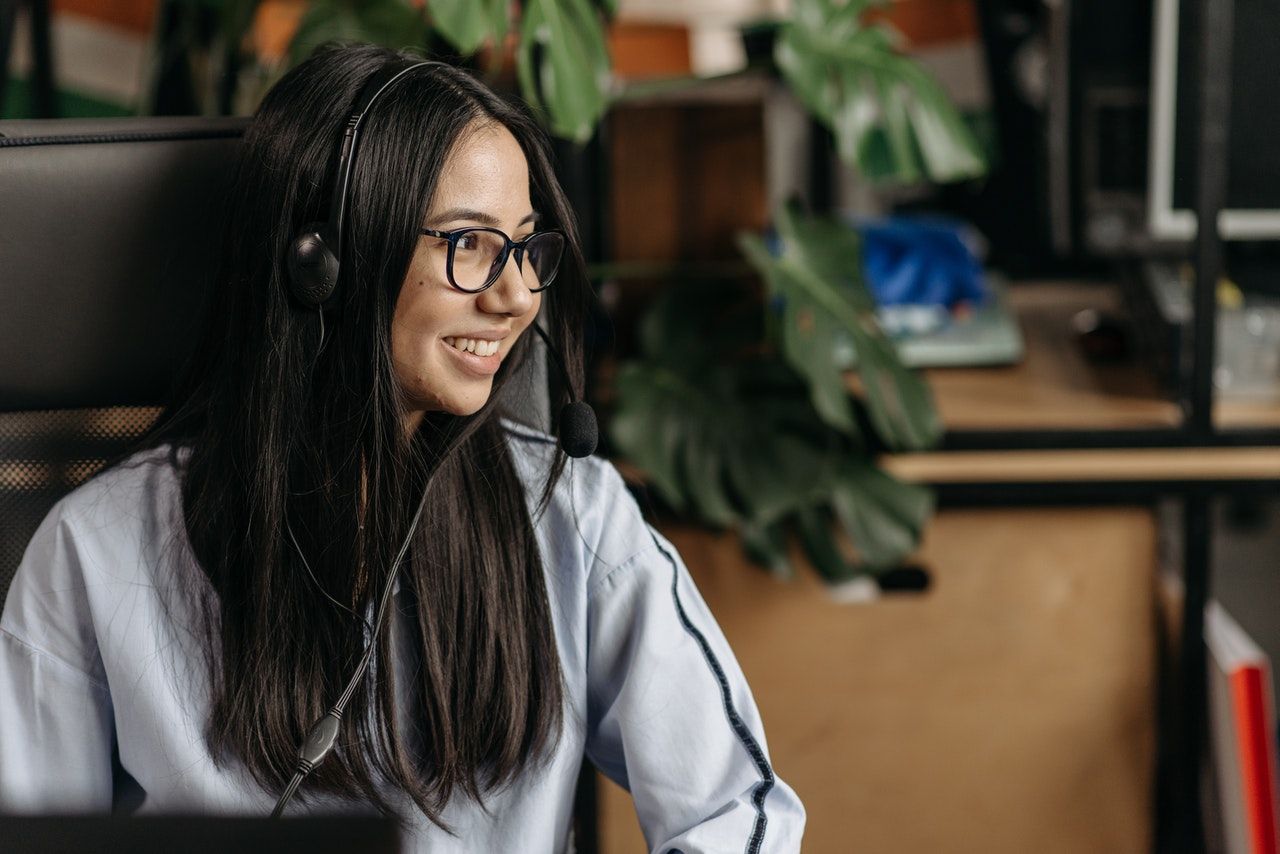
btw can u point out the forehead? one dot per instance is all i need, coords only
(486, 170)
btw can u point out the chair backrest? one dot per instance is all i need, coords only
(108, 230)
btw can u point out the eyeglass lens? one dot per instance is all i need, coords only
(477, 253)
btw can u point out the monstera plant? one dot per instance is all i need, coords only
(747, 421)
(741, 418)
(562, 61)
(561, 57)
(891, 119)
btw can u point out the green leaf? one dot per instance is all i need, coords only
(899, 401)
(468, 24)
(891, 120)
(818, 282)
(236, 18)
(708, 322)
(499, 23)
(937, 126)
(572, 75)
(767, 546)
(819, 542)
(390, 23)
(701, 469)
(728, 435)
(883, 517)
(894, 99)
(807, 329)
(644, 428)
(773, 475)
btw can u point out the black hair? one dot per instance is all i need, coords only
(285, 434)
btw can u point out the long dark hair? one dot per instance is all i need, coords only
(287, 435)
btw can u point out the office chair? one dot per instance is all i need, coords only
(108, 232)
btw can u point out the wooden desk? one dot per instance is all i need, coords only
(1056, 388)
(1010, 709)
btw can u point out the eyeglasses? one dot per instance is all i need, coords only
(478, 255)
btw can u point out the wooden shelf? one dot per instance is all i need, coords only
(1121, 464)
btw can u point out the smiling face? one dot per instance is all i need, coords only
(485, 182)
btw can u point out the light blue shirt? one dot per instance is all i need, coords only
(96, 658)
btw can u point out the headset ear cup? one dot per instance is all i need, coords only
(313, 266)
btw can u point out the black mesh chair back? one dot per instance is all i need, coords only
(108, 230)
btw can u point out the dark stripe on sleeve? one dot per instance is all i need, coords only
(739, 727)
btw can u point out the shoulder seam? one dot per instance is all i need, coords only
(521, 432)
(43, 653)
(600, 582)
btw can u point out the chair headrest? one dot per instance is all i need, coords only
(108, 232)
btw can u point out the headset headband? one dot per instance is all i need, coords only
(369, 93)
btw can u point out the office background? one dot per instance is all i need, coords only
(1032, 696)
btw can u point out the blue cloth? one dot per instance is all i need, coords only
(95, 656)
(919, 262)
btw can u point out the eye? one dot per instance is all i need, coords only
(468, 241)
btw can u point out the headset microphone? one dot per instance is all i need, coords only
(579, 434)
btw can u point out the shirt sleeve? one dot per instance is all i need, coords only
(671, 718)
(56, 723)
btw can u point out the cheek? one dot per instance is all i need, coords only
(418, 319)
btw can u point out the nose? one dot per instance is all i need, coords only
(509, 294)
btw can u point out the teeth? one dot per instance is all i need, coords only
(473, 345)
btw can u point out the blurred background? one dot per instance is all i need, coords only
(900, 339)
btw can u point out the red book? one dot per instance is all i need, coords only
(1244, 735)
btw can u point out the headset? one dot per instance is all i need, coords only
(314, 259)
(315, 255)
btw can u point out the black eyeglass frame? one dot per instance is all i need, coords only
(501, 263)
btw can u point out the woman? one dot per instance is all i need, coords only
(180, 623)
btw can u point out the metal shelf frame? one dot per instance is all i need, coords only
(1184, 734)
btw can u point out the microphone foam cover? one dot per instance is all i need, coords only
(578, 432)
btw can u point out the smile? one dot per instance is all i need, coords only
(474, 361)
(474, 345)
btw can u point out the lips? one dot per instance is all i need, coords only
(484, 366)
(479, 346)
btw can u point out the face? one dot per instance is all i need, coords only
(485, 182)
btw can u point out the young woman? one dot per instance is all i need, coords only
(180, 624)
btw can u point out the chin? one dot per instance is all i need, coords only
(464, 411)
(465, 405)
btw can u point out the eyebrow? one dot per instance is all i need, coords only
(455, 214)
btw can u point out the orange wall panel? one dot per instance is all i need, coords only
(927, 23)
(136, 16)
(642, 50)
